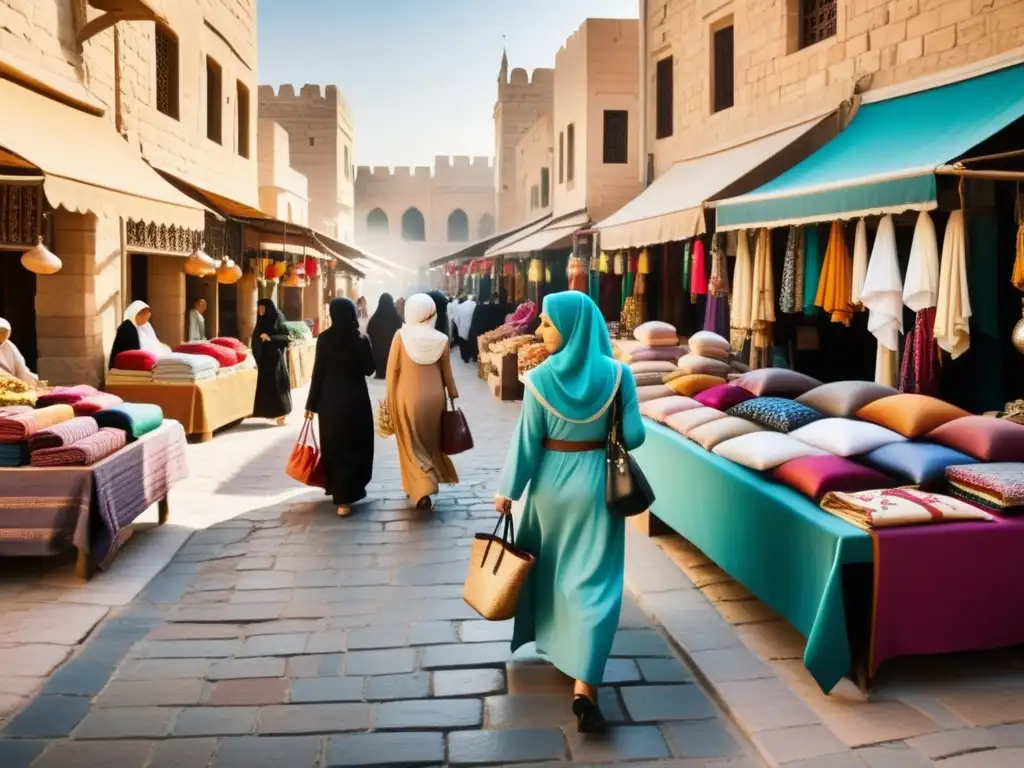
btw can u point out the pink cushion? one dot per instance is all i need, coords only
(814, 476)
(776, 382)
(96, 403)
(663, 407)
(982, 437)
(135, 360)
(223, 355)
(665, 354)
(723, 397)
(227, 341)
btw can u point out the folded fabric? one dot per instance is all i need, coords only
(178, 361)
(918, 463)
(222, 355)
(983, 437)
(663, 407)
(694, 363)
(910, 414)
(893, 507)
(135, 360)
(84, 452)
(814, 476)
(118, 376)
(13, 454)
(136, 419)
(20, 427)
(186, 378)
(96, 403)
(652, 392)
(710, 434)
(65, 395)
(844, 398)
(666, 354)
(846, 437)
(14, 410)
(776, 413)
(62, 434)
(999, 485)
(723, 397)
(764, 450)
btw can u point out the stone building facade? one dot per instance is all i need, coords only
(795, 59)
(414, 215)
(320, 129)
(179, 90)
(535, 160)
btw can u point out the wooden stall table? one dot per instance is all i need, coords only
(202, 407)
(47, 510)
(301, 355)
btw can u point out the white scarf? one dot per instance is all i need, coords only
(860, 262)
(921, 287)
(882, 295)
(953, 316)
(422, 342)
(148, 340)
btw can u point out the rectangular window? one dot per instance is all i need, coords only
(166, 72)
(545, 187)
(348, 171)
(664, 96)
(616, 136)
(561, 158)
(817, 21)
(242, 98)
(570, 149)
(214, 100)
(312, 141)
(722, 69)
(534, 197)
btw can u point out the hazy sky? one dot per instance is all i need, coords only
(419, 75)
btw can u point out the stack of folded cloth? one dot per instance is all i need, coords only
(135, 419)
(13, 454)
(63, 434)
(66, 395)
(133, 366)
(84, 452)
(122, 376)
(98, 402)
(21, 426)
(225, 356)
(181, 368)
(998, 486)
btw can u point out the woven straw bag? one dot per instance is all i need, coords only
(497, 570)
(382, 423)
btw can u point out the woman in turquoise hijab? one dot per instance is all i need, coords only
(570, 603)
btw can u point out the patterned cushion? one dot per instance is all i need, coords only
(764, 450)
(918, 463)
(776, 382)
(723, 397)
(663, 407)
(652, 392)
(846, 437)
(999, 486)
(692, 363)
(814, 476)
(692, 384)
(909, 414)
(719, 430)
(655, 333)
(844, 398)
(776, 413)
(983, 437)
(687, 421)
(709, 344)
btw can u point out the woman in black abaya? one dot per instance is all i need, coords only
(270, 348)
(381, 329)
(338, 394)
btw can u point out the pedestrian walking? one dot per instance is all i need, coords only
(339, 396)
(441, 322)
(419, 385)
(381, 329)
(270, 349)
(569, 604)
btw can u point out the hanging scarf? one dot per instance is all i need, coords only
(920, 372)
(762, 309)
(833, 294)
(921, 286)
(812, 269)
(422, 342)
(798, 282)
(698, 272)
(716, 313)
(787, 295)
(742, 288)
(883, 297)
(860, 263)
(1018, 263)
(687, 252)
(953, 316)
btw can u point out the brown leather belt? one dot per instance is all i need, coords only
(573, 446)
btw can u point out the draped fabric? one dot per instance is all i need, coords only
(833, 294)
(716, 314)
(920, 371)
(860, 263)
(687, 264)
(742, 293)
(953, 314)
(883, 297)
(698, 271)
(798, 283)
(921, 286)
(787, 293)
(762, 309)
(812, 269)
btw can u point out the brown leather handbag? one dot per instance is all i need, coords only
(455, 435)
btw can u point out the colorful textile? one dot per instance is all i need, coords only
(776, 382)
(698, 270)
(911, 415)
(834, 284)
(787, 293)
(716, 313)
(844, 398)
(96, 403)
(225, 357)
(82, 453)
(776, 413)
(812, 268)
(63, 434)
(798, 282)
(135, 360)
(919, 372)
(135, 419)
(226, 341)
(723, 397)
(742, 298)
(14, 410)
(891, 507)
(982, 437)
(922, 464)
(815, 476)
(65, 395)
(953, 313)
(13, 454)
(1000, 485)
(521, 319)
(20, 427)
(762, 309)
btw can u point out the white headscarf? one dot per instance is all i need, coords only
(11, 359)
(148, 340)
(422, 342)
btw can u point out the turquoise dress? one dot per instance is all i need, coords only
(571, 600)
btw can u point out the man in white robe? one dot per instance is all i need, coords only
(197, 321)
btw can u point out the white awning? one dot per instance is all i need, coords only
(672, 208)
(504, 244)
(553, 236)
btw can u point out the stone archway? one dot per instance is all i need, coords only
(458, 226)
(414, 228)
(377, 222)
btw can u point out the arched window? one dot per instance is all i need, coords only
(486, 225)
(458, 226)
(377, 222)
(413, 226)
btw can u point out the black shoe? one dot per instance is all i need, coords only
(588, 716)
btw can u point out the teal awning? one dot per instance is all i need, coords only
(886, 159)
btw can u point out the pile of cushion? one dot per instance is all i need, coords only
(663, 366)
(849, 437)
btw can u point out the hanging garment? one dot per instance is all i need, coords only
(921, 286)
(698, 271)
(762, 308)
(798, 283)
(639, 293)
(716, 313)
(742, 294)
(787, 294)
(953, 315)
(833, 294)
(812, 268)
(860, 263)
(883, 297)
(1018, 263)
(920, 372)
(628, 277)
(687, 263)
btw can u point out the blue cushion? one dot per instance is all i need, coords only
(919, 463)
(778, 413)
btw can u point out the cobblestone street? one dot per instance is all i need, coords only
(283, 635)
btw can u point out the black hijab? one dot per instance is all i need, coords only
(344, 317)
(441, 305)
(386, 315)
(271, 322)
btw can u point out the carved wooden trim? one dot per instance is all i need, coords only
(160, 238)
(21, 215)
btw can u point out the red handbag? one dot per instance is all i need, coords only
(305, 464)
(455, 435)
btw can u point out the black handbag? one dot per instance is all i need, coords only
(626, 490)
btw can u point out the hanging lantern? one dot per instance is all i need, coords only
(228, 273)
(534, 273)
(293, 280)
(41, 260)
(311, 267)
(199, 264)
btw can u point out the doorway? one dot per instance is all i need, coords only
(18, 305)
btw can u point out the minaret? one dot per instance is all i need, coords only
(503, 72)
